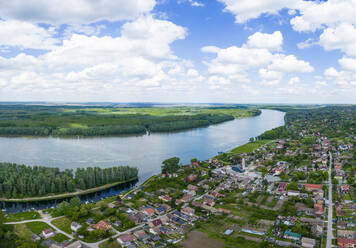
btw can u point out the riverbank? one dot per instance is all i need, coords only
(67, 195)
(65, 121)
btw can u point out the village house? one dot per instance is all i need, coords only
(346, 233)
(160, 210)
(208, 200)
(148, 211)
(154, 223)
(125, 240)
(140, 234)
(75, 244)
(102, 225)
(192, 187)
(346, 243)
(47, 233)
(35, 237)
(308, 242)
(75, 226)
(165, 198)
(313, 187)
(191, 178)
(281, 188)
(188, 211)
(288, 234)
(318, 209)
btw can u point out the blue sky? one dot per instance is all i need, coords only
(236, 51)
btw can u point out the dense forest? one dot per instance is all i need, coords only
(17, 181)
(32, 120)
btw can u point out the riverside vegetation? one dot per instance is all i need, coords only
(39, 120)
(17, 181)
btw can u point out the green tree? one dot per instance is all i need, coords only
(170, 165)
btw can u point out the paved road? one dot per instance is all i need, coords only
(330, 215)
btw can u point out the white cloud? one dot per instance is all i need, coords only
(247, 9)
(210, 49)
(342, 37)
(331, 72)
(244, 56)
(25, 35)
(82, 29)
(270, 75)
(272, 42)
(217, 82)
(321, 83)
(348, 63)
(307, 43)
(196, 4)
(290, 64)
(317, 14)
(294, 80)
(140, 58)
(192, 73)
(192, 3)
(78, 11)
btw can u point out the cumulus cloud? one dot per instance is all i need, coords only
(245, 10)
(234, 65)
(342, 37)
(78, 11)
(348, 63)
(270, 75)
(294, 80)
(26, 35)
(289, 63)
(315, 15)
(140, 57)
(271, 42)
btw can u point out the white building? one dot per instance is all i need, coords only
(75, 226)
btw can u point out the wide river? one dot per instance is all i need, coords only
(145, 152)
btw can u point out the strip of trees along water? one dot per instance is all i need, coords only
(112, 125)
(17, 181)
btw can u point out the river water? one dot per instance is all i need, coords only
(145, 152)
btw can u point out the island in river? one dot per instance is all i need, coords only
(89, 120)
(21, 183)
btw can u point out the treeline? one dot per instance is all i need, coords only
(17, 181)
(189, 122)
(100, 130)
(129, 124)
(275, 133)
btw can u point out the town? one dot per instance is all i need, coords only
(296, 189)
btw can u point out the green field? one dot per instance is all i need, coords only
(63, 224)
(22, 231)
(59, 237)
(37, 226)
(23, 216)
(249, 147)
(40, 120)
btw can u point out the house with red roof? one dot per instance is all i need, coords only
(154, 223)
(312, 187)
(346, 243)
(281, 188)
(102, 225)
